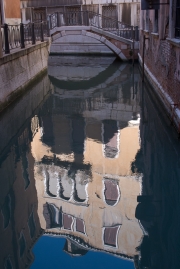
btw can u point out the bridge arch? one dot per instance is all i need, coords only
(81, 40)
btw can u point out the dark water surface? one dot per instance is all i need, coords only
(89, 172)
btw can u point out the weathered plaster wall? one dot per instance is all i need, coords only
(19, 69)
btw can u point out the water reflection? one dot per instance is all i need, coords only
(158, 206)
(67, 171)
(83, 153)
(19, 221)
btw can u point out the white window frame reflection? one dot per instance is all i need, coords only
(118, 189)
(117, 234)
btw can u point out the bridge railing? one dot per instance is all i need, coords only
(88, 18)
(22, 35)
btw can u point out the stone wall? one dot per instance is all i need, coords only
(162, 59)
(17, 70)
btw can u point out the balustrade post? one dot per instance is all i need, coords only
(48, 26)
(87, 18)
(58, 22)
(136, 33)
(22, 36)
(6, 39)
(42, 32)
(132, 33)
(33, 34)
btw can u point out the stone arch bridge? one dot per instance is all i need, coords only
(91, 33)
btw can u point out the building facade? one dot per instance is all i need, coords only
(127, 12)
(10, 11)
(161, 28)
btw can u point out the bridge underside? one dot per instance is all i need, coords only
(90, 40)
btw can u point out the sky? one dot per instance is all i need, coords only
(48, 253)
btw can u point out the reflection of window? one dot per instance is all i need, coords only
(69, 184)
(51, 183)
(6, 211)
(32, 226)
(111, 192)
(80, 227)
(67, 222)
(25, 170)
(78, 135)
(8, 264)
(48, 135)
(110, 236)
(22, 245)
(81, 181)
(66, 186)
(177, 27)
(110, 138)
(54, 215)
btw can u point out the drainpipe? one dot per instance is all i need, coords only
(144, 39)
(2, 11)
(1, 53)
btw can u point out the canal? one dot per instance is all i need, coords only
(89, 172)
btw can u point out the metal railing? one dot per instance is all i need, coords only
(19, 36)
(88, 18)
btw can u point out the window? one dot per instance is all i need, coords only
(156, 16)
(110, 236)
(147, 20)
(73, 15)
(177, 27)
(111, 13)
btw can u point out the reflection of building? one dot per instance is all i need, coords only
(158, 207)
(118, 10)
(85, 186)
(19, 221)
